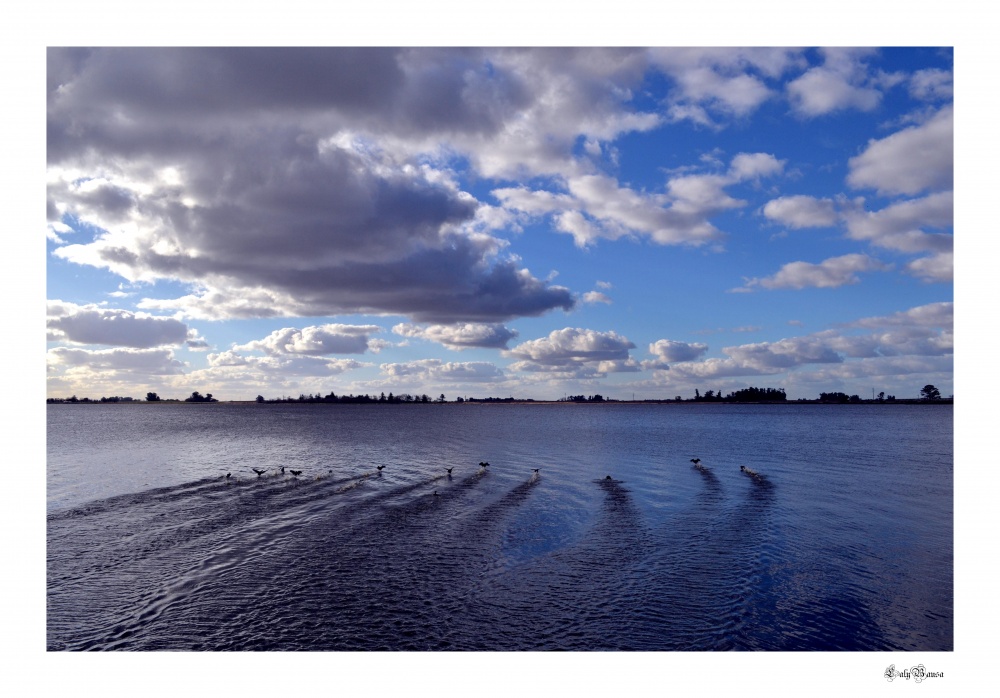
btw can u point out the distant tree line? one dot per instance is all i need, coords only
(585, 398)
(332, 397)
(928, 393)
(75, 399)
(744, 395)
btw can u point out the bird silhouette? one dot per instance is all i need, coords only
(696, 461)
(449, 470)
(536, 469)
(259, 472)
(296, 473)
(282, 470)
(379, 467)
(483, 464)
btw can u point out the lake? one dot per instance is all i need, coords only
(842, 541)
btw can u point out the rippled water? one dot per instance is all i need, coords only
(843, 543)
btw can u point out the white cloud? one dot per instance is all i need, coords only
(899, 226)
(133, 361)
(90, 324)
(802, 211)
(274, 367)
(746, 166)
(935, 268)
(830, 273)
(669, 351)
(431, 371)
(573, 349)
(914, 341)
(910, 161)
(728, 81)
(592, 297)
(842, 82)
(932, 84)
(461, 336)
(318, 340)
(598, 207)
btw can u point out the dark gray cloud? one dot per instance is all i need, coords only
(254, 174)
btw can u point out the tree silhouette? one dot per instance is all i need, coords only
(929, 392)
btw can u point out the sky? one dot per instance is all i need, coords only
(530, 223)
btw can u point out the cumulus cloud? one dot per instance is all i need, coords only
(430, 371)
(140, 362)
(935, 268)
(91, 324)
(462, 336)
(842, 82)
(900, 225)
(273, 367)
(802, 211)
(318, 340)
(669, 351)
(830, 273)
(910, 161)
(574, 350)
(298, 197)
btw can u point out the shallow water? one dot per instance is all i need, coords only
(843, 543)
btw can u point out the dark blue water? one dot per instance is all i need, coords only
(843, 542)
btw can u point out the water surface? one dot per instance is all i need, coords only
(843, 543)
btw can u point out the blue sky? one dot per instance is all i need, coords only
(494, 222)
